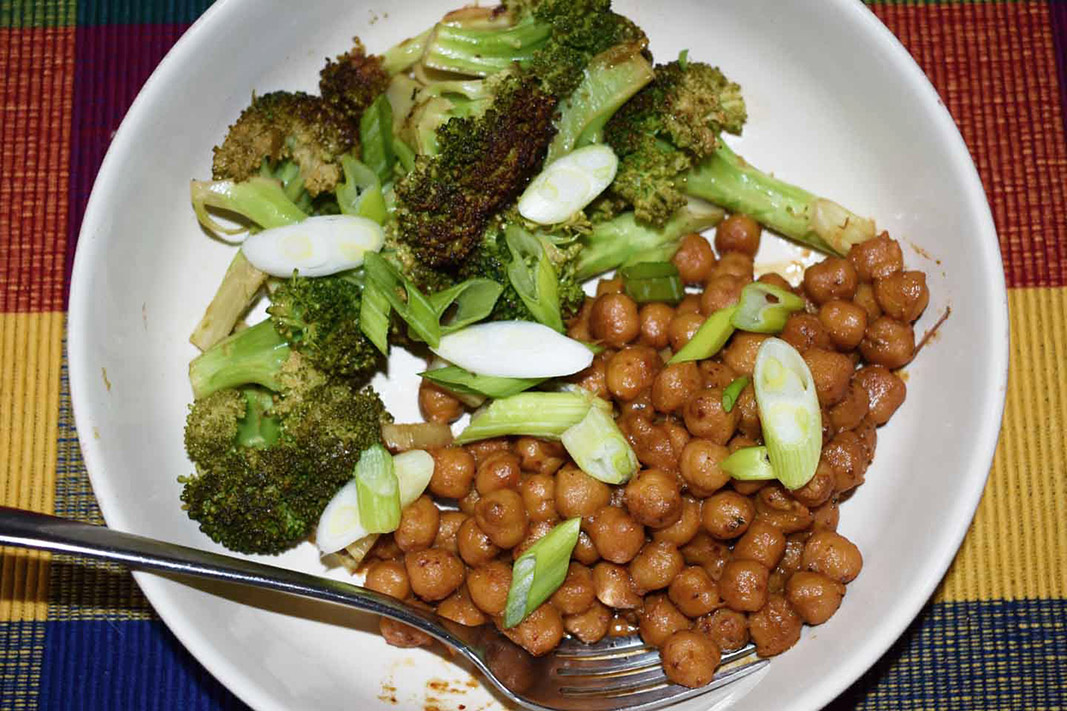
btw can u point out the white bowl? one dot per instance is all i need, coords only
(836, 105)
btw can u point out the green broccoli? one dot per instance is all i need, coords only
(352, 80)
(668, 141)
(266, 466)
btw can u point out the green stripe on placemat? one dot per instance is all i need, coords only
(19, 14)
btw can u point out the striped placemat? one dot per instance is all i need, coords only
(82, 636)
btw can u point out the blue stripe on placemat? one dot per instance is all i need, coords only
(100, 665)
(21, 651)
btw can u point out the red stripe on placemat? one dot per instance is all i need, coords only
(35, 110)
(994, 66)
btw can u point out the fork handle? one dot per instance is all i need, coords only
(27, 529)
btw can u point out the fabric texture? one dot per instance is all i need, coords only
(77, 635)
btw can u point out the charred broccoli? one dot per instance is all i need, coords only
(351, 81)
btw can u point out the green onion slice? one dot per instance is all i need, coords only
(413, 470)
(463, 381)
(465, 303)
(374, 316)
(533, 276)
(749, 464)
(709, 338)
(376, 138)
(536, 414)
(361, 192)
(599, 447)
(764, 308)
(789, 412)
(377, 490)
(733, 391)
(416, 310)
(652, 281)
(540, 571)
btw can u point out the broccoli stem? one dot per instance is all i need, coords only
(257, 429)
(609, 81)
(482, 52)
(400, 57)
(252, 356)
(726, 179)
(239, 286)
(623, 240)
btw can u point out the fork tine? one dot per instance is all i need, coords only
(604, 648)
(666, 693)
(634, 657)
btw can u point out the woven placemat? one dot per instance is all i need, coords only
(82, 636)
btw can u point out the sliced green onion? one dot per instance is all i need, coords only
(417, 310)
(377, 490)
(531, 273)
(540, 571)
(361, 192)
(789, 412)
(733, 391)
(652, 281)
(683, 59)
(538, 414)
(599, 448)
(764, 308)
(374, 316)
(404, 154)
(376, 138)
(748, 464)
(413, 470)
(261, 200)
(473, 300)
(568, 184)
(709, 338)
(463, 381)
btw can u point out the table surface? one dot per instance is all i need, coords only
(77, 636)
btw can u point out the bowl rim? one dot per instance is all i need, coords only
(159, 590)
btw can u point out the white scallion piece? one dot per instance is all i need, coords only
(514, 349)
(789, 412)
(317, 246)
(569, 184)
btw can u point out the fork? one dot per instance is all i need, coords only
(614, 674)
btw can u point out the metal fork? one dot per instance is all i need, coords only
(615, 674)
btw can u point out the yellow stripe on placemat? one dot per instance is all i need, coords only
(1017, 545)
(30, 358)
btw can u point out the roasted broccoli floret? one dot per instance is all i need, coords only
(352, 80)
(445, 204)
(282, 127)
(266, 466)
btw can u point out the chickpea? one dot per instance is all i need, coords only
(616, 535)
(632, 370)
(716, 374)
(488, 586)
(699, 467)
(655, 565)
(500, 470)
(694, 592)
(688, 524)
(794, 551)
(654, 498)
(866, 300)
(775, 627)
(434, 574)
(539, 497)
(578, 494)
(679, 437)
(539, 456)
(468, 502)
(694, 259)
(540, 632)
(845, 322)
(682, 327)
(827, 515)
(746, 488)
(749, 423)
(388, 577)
(385, 548)
(737, 233)
(706, 417)
(447, 537)
(459, 608)
(740, 352)
(609, 286)
(776, 506)
(885, 391)
(418, 525)
(819, 488)
(487, 447)
(735, 264)
(585, 551)
(578, 327)
(690, 304)
(690, 659)
(709, 554)
(614, 320)
(535, 532)
(404, 636)
(473, 545)
(831, 372)
(833, 555)
(876, 258)
(762, 543)
(868, 436)
(453, 472)
(848, 413)
(889, 343)
(655, 319)
(727, 628)
(815, 597)
(727, 515)
(659, 620)
(590, 626)
(832, 278)
(674, 385)
(804, 331)
(595, 377)
(577, 592)
(847, 461)
(740, 441)
(502, 515)
(640, 406)
(437, 404)
(902, 295)
(614, 586)
(721, 292)
(743, 585)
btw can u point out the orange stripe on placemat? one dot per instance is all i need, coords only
(30, 359)
(994, 65)
(36, 96)
(1017, 546)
